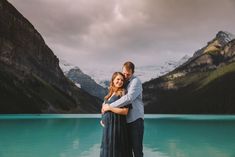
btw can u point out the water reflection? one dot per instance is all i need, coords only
(75, 137)
(187, 138)
(53, 137)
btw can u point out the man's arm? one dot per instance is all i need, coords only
(134, 91)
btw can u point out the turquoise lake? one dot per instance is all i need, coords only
(80, 136)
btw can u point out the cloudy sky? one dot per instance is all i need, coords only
(100, 33)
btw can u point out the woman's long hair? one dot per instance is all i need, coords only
(112, 89)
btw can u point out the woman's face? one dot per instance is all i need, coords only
(118, 81)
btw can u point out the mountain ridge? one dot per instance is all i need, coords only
(30, 72)
(87, 83)
(82, 80)
(196, 86)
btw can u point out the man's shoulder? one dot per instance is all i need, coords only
(136, 79)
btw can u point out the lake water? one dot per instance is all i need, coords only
(80, 136)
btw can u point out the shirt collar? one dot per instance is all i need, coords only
(132, 77)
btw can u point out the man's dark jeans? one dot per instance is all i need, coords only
(136, 133)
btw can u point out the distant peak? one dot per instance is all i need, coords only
(66, 66)
(225, 36)
(76, 69)
(222, 32)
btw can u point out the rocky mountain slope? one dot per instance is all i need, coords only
(204, 84)
(83, 80)
(31, 80)
(87, 83)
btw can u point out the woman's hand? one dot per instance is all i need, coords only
(106, 108)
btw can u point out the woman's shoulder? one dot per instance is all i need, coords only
(113, 98)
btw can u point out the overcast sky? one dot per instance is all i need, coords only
(99, 33)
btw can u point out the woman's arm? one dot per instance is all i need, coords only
(122, 111)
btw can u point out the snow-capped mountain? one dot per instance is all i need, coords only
(65, 66)
(82, 80)
(86, 83)
(100, 76)
(145, 73)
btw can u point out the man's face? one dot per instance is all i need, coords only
(127, 73)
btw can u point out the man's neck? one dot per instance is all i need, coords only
(130, 78)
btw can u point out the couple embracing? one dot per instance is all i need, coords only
(123, 115)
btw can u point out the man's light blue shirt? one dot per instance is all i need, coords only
(134, 97)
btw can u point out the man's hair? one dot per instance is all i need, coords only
(129, 66)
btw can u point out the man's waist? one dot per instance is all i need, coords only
(133, 115)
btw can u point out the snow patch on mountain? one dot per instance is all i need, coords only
(146, 73)
(78, 85)
(65, 66)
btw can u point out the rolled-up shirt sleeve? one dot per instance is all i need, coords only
(134, 90)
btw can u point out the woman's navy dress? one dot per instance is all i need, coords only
(115, 141)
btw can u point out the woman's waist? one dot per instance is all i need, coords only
(110, 115)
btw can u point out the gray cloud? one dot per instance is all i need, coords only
(109, 32)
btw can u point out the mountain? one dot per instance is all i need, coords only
(87, 83)
(100, 75)
(221, 39)
(100, 89)
(31, 80)
(204, 84)
(210, 56)
(65, 66)
(83, 80)
(146, 73)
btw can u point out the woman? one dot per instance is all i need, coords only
(115, 139)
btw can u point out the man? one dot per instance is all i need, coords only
(135, 117)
